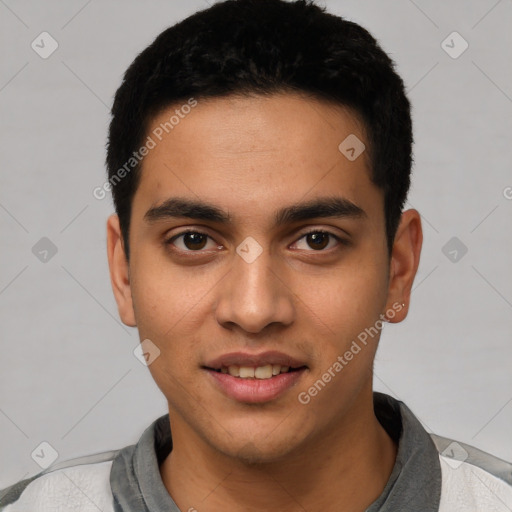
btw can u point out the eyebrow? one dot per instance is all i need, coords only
(324, 207)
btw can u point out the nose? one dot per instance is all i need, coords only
(254, 294)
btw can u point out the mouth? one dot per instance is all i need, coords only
(259, 372)
(255, 378)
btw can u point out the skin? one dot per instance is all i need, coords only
(250, 156)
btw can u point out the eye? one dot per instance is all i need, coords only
(191, 241)
(196, 241)
(318, 239)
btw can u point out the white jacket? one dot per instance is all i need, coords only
(431, 474)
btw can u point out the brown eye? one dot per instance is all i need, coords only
(194, 241)
(318, 241)
(190, 241)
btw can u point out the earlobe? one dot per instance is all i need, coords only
(405, 259)
(119, 272)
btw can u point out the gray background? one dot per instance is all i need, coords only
(68, 375)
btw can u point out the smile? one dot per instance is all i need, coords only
(260, 372)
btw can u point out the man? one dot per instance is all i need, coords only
(259, 158)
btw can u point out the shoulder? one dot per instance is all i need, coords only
(78, 484)
(472, 479)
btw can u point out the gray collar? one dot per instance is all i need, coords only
(414, 484)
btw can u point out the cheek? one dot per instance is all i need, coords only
(166, 296)
(347, 300)
(345, 310)
(171, 305)
(167, 307)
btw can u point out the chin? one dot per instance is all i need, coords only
(259, 448)
(252, 454)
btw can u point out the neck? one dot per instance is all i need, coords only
(348, 467)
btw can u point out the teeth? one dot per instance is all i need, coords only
(246, 371)
(261, 372)
(234, 371)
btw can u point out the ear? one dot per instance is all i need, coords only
(119, 271)
(405, 258)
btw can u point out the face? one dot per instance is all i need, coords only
(257, 245)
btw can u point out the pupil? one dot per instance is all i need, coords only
(316, 237)
(194, 240)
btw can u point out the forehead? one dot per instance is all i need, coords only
(251, 155)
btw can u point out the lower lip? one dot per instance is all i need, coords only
(255, 390)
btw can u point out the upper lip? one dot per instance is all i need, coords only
(254, 360)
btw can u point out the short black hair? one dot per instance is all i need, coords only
(264, 47)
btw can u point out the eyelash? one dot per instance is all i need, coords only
(169, 241)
